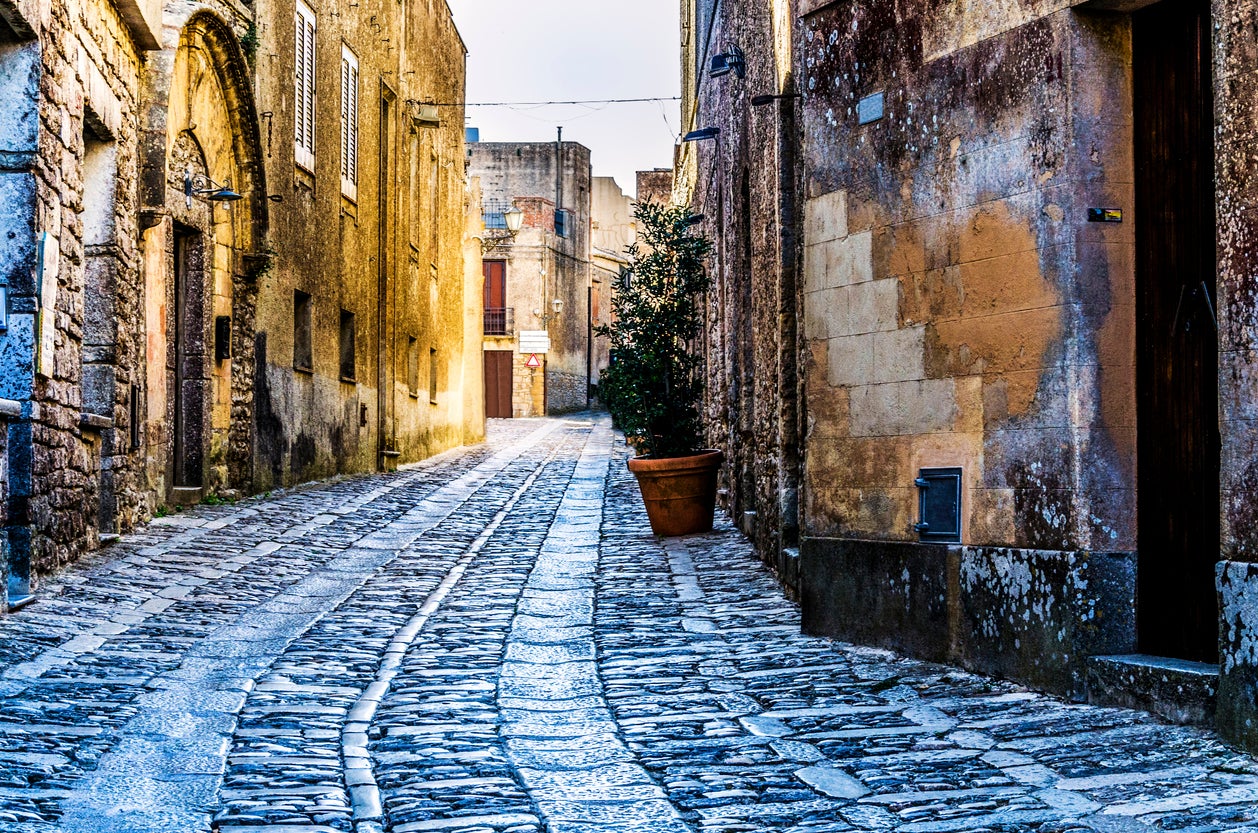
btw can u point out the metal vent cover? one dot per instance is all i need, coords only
(939, 505)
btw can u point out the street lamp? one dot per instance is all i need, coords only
(513, 217)
(761, 100)
(701, 134)
(200, 185)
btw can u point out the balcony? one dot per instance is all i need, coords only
(499, 321)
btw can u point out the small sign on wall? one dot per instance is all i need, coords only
(1105, 215)
(871, 108)
(533, 361)
(534, 341)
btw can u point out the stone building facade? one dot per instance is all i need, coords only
(151, 345)
(539, 281)
(1026, 244)
(613, 230)
(744, 181)
(70, 98)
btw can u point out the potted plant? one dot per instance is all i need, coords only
(653, 386)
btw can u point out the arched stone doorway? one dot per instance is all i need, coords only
(201, 261)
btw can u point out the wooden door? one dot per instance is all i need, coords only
(498, 365)
(1177, 338)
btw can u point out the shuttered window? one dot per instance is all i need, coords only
(304, 90)
(349, 124)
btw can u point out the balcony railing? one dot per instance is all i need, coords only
(499, 321)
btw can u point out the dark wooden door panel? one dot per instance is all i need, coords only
(1177, 340)
(498, 366)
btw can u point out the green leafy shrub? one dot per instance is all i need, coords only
(653, 387)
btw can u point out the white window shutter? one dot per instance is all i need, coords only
(349, 123)
(304, 90)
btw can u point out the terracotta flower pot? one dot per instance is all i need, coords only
(679, 492)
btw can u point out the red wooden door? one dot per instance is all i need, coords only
(498, 364)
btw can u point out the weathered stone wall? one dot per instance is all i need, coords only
(613, 231)
(960, 310)
(744, 183)
(655, 186)
(95, 139)
(69, 77)
(1034, 616)
(1236, 172)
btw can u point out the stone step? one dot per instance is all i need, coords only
(186, 495)
(1176, 690)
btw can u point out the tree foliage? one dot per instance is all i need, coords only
(653, 387)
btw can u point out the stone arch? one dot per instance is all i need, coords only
(202, 119)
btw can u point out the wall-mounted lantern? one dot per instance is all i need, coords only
(200, 185)
(513, 220)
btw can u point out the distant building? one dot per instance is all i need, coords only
(537, 284)
(655, 186)
(613, 232)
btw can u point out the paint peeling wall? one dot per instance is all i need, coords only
(391, 254)
(959, 309)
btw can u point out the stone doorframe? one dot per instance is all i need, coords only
(200, 97)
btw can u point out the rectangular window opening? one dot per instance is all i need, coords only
(432, 375)
(348, 371)
(412, 366)
(303, 314)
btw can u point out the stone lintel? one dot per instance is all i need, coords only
(144, 20)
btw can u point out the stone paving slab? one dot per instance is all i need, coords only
(492, 642)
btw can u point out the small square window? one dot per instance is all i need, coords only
(303, 353)
(348, 371)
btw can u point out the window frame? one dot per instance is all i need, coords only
(350, 133)
(304, 89)
(348, 347)
(303, 331)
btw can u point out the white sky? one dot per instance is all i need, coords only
(548, 50)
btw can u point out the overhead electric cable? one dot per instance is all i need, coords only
(543, 103)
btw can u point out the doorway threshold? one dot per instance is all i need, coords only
(1177, 690)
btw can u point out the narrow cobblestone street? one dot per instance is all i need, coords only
(493, 641)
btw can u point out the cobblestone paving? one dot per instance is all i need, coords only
(492, 642)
